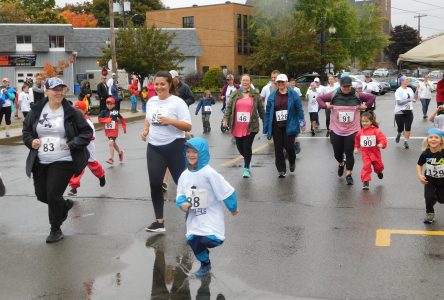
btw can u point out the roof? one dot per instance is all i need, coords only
(195, 6)
(429, 53)
(87, 42)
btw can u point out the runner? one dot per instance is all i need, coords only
(283, 117)
(404, 97)
(345, 105)
(437, 118)
(205, 103)
(424, 92)
(242, 115)
(270, 87)
(329, 88)
(370, 140)
(312, 106)
(167, 120)
(111, 119)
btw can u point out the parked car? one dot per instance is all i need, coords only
(384, 87)
(304, 80)
(435, 75)
(394, 84)
(381, 72)
(368, 71)
(392, 72)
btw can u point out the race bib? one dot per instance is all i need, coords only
(281, 115)
(346, 116)
(156, 112)
(197, 198)
(111, 125)
(407, 107)
(435, 171)
(207, 108)
(368, 141)
(49, 144)
(243, 117)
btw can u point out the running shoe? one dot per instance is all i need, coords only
(341, 170)
(2, 187)
(313, 132)
(204, 270)
(424, 116)
(102, 181)
(7, 134)
(406, 145)
(164, 187)
(297, 148)
(398, 137)
(349, 179)
(366, 186)
(292, 167)
(110, 161)
(246, 173)
(429, 218)
(121, 155)
(155, 227)
(72, 192)
(68, 205)
(282, 174)
(54, 236)
(380, 175)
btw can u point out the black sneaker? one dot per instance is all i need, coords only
(406, 145)
(349, 179)
(102, 181)
(156, 227)
(313, 132)
(341, 170)
(54, 236)
(164, 187)
(380, 175)
(72, 192)
(282, 174)
(292, 167)
(365, 185)
(429, 218)
(68, 205)
(2, 187)
(398, 137)
(297, 148)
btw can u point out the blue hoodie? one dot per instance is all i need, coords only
(205, 102)
(201, 146)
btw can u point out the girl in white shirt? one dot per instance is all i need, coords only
(24, 102)
(425, 95)
(312, 106)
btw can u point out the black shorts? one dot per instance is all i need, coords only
(313, 116)
(112, 138)
(7, 112)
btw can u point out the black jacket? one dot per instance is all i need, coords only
(102, 91)
(184, 92)
(78, 135)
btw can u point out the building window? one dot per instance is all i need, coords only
(205, 69)
(56, 41)
(239, 70)
(245, 23)
(239, 22)
(23, 39)
(239, 45)
(188, 22)
(23, 43)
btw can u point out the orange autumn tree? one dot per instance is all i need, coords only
(78, 19)
(49, 70)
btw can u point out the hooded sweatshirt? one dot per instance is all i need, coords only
(205, 189)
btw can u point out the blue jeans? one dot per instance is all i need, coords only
(133, 106)
(200, 245)
(425, 105)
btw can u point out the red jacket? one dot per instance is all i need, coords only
(368, 142)
(440, 91)
(111, 119)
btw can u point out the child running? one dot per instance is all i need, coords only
(437, 117)
(95, 167)
(370, 140)
(432, 158)
(313, 106)
(200, 192)
(205, 103)
(111, 118)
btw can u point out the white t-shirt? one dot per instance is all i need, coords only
(24, 102)
(175, 108)
(91, 146)
(438, 122)
(110, 83)
(51, 132)
(425, 92)
(267, 90)
(328, 89)
(312, 105)
(404, 94)
(210, 220)
(297, 90)
(368, 87)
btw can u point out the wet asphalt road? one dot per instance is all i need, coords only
(308, 236)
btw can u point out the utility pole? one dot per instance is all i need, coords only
(113, 38)
(419, 16)
(322, 48)
(122, 4)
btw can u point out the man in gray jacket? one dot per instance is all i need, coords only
(38, 89)
(183, 89)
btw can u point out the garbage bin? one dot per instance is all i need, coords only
(76, 88)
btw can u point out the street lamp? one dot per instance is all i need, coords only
(322, 39)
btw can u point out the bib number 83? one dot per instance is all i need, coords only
(48, 147)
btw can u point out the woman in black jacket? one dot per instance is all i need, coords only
(85, 91)
(57, 136)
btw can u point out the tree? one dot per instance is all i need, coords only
(78, 19)
(143, 51)
(211, 78)
(41, 11)
(12, 12)
(403, 38)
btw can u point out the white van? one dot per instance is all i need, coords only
(94, 77)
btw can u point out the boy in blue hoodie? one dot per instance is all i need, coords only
(206, 102)
(200, 192)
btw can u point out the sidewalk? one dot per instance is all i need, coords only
(17, 124)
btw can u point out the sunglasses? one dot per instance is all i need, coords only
(280, 81)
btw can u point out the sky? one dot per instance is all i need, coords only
(403, 12)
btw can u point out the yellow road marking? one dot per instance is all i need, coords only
(239, 157)
(383, 236)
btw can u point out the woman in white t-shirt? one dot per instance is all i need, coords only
(167, 120)
(424, 92)
(24, 102)
(404, 97)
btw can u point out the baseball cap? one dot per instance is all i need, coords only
(359, 85)
(80, 105)
(113, 74)
(110, 100)
(5, 79)
(174, 73)
(313, 84)
(316, 79)
(53, 82)
(282, 77)
(346, 81)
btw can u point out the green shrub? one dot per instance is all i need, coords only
(212, 78)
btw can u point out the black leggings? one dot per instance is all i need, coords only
(7, 111)
(344, 144)
(244, 146)
(159, 158)
(281, 142)
(404, 121)
(433, 193)
(327, 118)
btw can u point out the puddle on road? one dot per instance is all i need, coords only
(154, 272)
